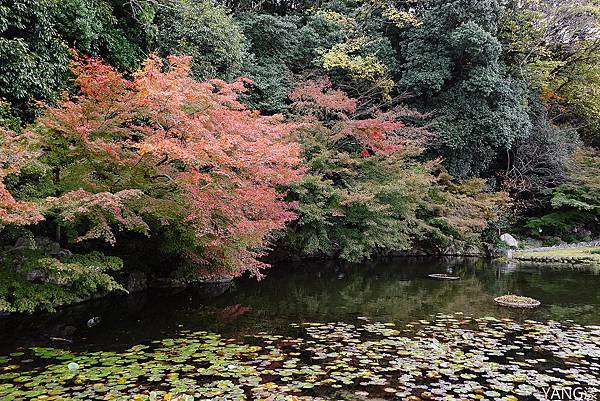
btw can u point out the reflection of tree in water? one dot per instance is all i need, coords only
(231, 312)
(579, 313)
(391, 292)
(397, 290)
(401, 291)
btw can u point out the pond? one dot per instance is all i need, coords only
(320, 331)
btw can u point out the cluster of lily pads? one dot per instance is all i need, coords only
(451, 357)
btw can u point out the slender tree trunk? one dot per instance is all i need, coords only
(57, 234)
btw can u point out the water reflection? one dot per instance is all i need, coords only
(394, 290)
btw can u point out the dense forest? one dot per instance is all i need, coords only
(194, 139)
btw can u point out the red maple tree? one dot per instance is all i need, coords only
(379, 132)
(164, 147)
(14, 152)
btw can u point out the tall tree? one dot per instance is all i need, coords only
(35, 37)
(163, 154)
(453, 64)
(556, 47)
(207, 33)
(365, 192)
(345, 40)
(33, 55)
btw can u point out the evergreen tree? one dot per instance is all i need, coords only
(453, 65)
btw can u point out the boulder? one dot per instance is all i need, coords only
(64, 252)
(498, 253)
(43, 244)
(36, 276)
(509, 240)
(53, 248)
(25, 243)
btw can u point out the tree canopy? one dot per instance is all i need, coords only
(209, 134)
(454, 65)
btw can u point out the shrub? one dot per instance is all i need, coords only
(576, 202)
(365, 190)
(162, 152)
(31, 280)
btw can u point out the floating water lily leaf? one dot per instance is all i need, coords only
(448, 357)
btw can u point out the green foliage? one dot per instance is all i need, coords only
(316, 34)
(576, 202)
(35, 36)
(355, 202)
(555, 47)
(556, 224)
(275, 44)
(207, 33)
(93, 28)
(345, 41)
(363, 53)
(33, 55)
(270, 86)
(351, 207)
(31, 280)
(354, 49)
(354, 208)
(273, 38)
(454, 64)
(582, 189)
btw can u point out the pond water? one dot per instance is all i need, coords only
(381, 330)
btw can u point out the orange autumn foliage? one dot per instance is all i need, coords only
(14, 153)
(382, 133)
(165, 148)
